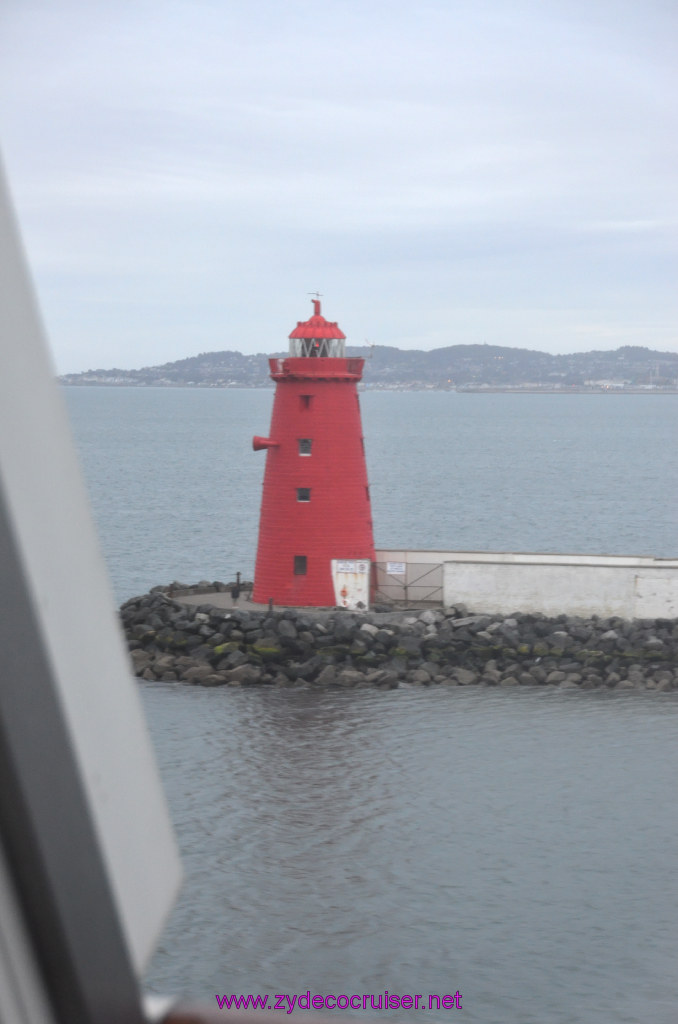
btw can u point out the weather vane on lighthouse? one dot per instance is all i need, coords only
(316, 302)
(316, 544)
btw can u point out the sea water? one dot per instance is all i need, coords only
(518, 847)
(176, 486)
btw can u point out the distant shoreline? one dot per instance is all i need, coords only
(463, 390)
(457, 368)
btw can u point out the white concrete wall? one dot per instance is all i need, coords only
(501, 583)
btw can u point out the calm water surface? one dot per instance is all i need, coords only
(517, 846)
(176, 486)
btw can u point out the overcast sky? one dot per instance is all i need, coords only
(445, 172)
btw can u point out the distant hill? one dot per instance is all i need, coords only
(457, 366)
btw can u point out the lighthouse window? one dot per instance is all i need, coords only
(305, 445)
(303, 493)
(300, 565)
(306, 401)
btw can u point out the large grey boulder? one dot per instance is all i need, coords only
(464, 676)
(243, 675)
(327, 676)
(349, 677)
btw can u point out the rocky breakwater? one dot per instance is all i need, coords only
(204, 645)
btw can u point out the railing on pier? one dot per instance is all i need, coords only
(409, 582)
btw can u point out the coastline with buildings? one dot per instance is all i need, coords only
(462, 368)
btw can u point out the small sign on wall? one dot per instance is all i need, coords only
(395, 568)
(344, 565)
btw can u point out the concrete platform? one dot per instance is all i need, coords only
(223, 599)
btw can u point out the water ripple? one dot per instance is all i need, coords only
(422, 841)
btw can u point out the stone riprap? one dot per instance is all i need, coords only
(204, 645)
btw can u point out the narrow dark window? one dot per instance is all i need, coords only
(305, 444)
(362, 441)
(303, 493)
(305, 401)
(367, 492)
(300, 565)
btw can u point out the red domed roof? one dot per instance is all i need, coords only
(317, 327)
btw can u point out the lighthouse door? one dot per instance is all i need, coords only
(351, 578)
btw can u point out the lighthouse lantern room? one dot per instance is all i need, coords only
(316, 546)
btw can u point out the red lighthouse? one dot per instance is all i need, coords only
(315, 531)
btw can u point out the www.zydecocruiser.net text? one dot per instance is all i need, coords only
(366, 1001)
